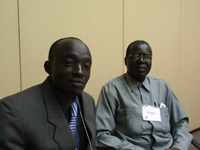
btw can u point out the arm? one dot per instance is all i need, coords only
(106, 108)
(10, 125)
(179, 124)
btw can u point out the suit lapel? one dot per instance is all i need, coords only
(88, 115)
(63, 135)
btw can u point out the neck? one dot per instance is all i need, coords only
(139, 79)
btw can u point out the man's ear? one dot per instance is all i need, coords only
(47, 67)
(125, 61)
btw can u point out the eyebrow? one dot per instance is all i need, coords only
(87, 58)
(140, 54)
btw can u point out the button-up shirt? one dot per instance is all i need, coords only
(120, 123)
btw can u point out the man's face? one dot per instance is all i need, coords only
(70, 67)
(138, 66)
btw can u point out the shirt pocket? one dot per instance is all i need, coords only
(130, 122)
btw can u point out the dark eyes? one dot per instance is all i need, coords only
(71, 62)
(138, 56)
(87, 66)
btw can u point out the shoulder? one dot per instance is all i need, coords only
(116, 82)
(157, 80)
(25, 94)
(114, 86)
(87, 98)
(21, 105)
(22, 101)
(33, 93)
(86, 95)
(159, 85)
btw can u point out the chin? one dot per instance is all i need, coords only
(77, 92)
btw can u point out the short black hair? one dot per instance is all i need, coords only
(137, 42)
(51, 50)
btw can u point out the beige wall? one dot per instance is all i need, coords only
(107, 27)
(9, 48)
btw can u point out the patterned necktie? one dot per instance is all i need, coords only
(73, 123)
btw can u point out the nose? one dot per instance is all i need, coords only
(78, 70)
(141, 59)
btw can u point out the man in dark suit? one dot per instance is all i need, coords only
(39, 118)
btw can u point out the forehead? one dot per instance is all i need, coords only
(71, 47)
(141, 48)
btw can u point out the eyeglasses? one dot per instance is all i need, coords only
(138, 56)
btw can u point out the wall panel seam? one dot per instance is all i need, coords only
(123, 48)
(19, 38)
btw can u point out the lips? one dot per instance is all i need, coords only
(77, 83)
(141, 68)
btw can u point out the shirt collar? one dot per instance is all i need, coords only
(133, 84)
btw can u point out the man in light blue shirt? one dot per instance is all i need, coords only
(140, 112)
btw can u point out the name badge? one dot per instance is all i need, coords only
(151, 113)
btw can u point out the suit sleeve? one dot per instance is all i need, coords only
(105, 120)
(11, 134)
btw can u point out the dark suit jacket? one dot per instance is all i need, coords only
(33, 120)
